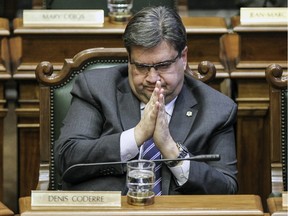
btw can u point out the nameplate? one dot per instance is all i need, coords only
(63, 18)
(263, 16)
(285, 198)
(63, 200)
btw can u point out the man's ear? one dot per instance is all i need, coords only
(184, 55)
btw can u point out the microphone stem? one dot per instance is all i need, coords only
(208, 157)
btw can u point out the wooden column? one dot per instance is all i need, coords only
(5, 74)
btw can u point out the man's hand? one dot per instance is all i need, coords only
(161, 136)
(154, 123)
(145, 128)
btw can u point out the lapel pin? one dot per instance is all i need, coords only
(189, 113)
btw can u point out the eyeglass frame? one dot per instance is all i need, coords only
(156, 66)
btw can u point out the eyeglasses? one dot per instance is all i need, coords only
(161, 67)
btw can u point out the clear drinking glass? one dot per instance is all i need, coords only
(140, 182)
(119, 10)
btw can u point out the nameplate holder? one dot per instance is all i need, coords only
(80, 200)
(63, 18)
(276, 16)
(285, 198)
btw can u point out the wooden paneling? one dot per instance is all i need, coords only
(30, 46)
(252, 137)
(5, 74)
(28, 135)
(275, 119)
(275, 206)
(5, 211)
(258, 47)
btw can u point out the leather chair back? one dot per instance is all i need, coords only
(278, 114)
(55, 97)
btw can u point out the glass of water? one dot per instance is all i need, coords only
(119, 10)
(140, 182)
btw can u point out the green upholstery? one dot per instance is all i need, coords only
(60, 99)
(278, 81)
(284, 141)
(284, 135)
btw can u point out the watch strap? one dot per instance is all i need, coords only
(182, 154)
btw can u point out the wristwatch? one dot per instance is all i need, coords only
(183, 151)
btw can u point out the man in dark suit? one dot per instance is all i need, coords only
(115, 111)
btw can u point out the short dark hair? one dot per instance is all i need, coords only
(152, 25)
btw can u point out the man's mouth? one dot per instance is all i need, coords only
(151, 89)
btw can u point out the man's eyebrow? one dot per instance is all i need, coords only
(161, 62)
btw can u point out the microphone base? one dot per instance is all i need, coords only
(141, 199)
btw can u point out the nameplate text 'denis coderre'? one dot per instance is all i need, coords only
(61, 200)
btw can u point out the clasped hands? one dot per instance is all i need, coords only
(154, 124)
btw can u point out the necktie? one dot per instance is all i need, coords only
(151, 152)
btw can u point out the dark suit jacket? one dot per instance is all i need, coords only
(103, 106)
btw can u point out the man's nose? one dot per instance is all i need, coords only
(153, 74)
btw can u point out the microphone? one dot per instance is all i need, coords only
(205, 157)
(76, 168)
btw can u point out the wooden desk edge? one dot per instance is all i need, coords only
(275, 205)
(25, 205)
(4, 210)
(212, 25)
(237, 27)
(4, 27)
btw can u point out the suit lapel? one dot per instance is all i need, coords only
(129, 106)
(184, 115)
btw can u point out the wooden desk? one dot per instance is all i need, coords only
(5, 74)
(4, 51)
(29, 46)
(258, 47)
(275, 207)
(170, 205)
(4, 211)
